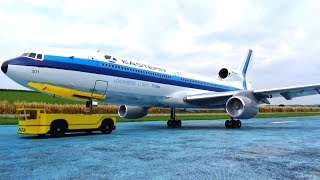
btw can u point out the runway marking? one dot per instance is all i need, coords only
(281, 122)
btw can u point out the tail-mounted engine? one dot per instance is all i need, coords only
(229, 75)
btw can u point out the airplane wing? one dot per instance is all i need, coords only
(288, 93)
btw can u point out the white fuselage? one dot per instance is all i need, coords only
(123, 81)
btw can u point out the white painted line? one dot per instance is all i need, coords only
(282, 122)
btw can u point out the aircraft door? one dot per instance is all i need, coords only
(100, 88)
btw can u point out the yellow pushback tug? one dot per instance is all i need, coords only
(37, 121)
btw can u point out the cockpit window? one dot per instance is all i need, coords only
(107, 57)
(32, 55)
(39, 56)
(35, 56)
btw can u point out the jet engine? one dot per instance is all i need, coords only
(241, 107)
(132, 112)
(230, 75)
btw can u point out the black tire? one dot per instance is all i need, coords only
(228, 124)
(178, 123)
(238, 123)
(234, 123)
(173, 123)
(58, 129)
(169, 123)
(107, 126)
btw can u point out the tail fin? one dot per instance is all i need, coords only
(243, 67)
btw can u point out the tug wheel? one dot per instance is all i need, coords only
(107, 126)
(58, 128)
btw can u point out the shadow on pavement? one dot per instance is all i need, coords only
(68, 135)
(244, 127)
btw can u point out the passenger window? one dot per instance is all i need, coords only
(32, 55)
(39, 56)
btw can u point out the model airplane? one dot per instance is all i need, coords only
(137, 86)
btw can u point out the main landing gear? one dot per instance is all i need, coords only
(173, 123)
(232, 123)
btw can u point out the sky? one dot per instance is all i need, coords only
(198, 36)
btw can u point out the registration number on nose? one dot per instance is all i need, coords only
(35, 71)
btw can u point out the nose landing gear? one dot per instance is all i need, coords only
(232, 123)
(173, 123)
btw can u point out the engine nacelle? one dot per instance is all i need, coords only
(230, 75)
(132, 112)
(241, 107)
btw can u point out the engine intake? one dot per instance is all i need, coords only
(224, 73)
(229, 75)
(241, 107)
(132, 112)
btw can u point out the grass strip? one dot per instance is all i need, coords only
(8, 121)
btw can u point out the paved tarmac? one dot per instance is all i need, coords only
(286, 148)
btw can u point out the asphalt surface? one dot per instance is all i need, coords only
(287, 148)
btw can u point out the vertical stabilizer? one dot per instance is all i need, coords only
(243, 67)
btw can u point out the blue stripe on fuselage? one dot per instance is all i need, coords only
(94, 66)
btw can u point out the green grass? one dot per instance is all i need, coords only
(14, 121)
(287, 114)
(8, 121)
(31, 96)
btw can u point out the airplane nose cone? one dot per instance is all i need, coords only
(4, 67)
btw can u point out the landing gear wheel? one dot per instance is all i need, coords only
(107, 126)
(178, 123)
(174, 123)
(169, 123)
(238, 123)
(232, 124)
(228, 124)
(58, 129)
